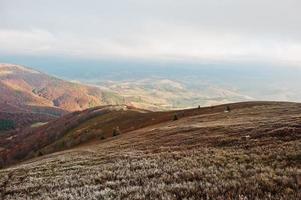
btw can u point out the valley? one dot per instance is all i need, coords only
(167, 94)
(29, 96)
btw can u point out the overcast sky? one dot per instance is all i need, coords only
(186, 30)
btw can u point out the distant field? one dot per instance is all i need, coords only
(38, 124)
(251, 152)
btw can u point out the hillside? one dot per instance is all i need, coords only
(74, 129)
(251, 152)
(28, 97)
(24, 88)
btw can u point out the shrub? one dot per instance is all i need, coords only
(1, 163)
(40, 153)
(175, 117)
(227, 109)
(116, 131)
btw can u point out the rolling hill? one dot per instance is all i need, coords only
(158, 93)
(28, 96)
(251, 152)
(24, 87)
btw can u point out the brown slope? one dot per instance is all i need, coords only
(95, 123)
(23, 144)
(206, 154)
(77, 128)
(22, 86)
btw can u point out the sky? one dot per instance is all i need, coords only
(267, 31)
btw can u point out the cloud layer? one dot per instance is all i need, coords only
(198, 30)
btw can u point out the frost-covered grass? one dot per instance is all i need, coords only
(196, 174)
(185, 159)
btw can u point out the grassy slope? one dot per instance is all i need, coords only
(206, 154)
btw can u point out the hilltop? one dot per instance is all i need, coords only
(251, 152)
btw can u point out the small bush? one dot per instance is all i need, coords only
(227, 109)
(116, 131)
(175, 117)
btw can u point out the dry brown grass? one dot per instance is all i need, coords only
(206, 156)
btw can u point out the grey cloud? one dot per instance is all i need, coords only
(138, 27)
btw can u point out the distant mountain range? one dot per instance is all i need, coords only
(25, 88)
(43, 97)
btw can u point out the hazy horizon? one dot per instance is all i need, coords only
(257, 81)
